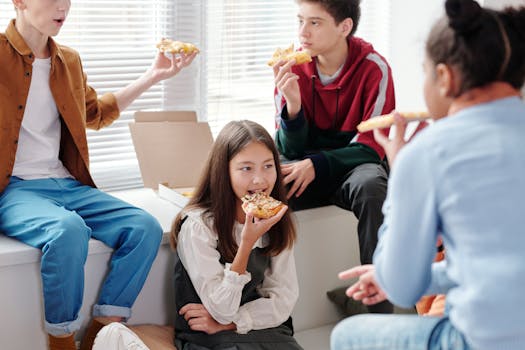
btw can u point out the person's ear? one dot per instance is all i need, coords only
(19, 4)
(346, 26)
(445, 80)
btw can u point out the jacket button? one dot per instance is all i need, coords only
(8, 176)
(27, 74)
(20, 107)
(16, 142)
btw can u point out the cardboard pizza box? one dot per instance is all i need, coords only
(172, 148)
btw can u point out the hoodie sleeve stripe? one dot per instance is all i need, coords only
(383, 84)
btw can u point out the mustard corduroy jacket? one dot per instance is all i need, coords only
(77, 103)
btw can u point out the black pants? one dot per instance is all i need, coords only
(363, 192)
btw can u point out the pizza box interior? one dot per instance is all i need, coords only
(172, 148)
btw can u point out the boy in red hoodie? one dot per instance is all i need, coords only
(319, 105)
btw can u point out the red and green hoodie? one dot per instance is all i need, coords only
(325, 128)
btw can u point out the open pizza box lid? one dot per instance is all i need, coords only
(172, 148)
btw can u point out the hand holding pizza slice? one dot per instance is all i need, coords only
(387, 120)
(261, 205)
(171, 46)
(289, 54)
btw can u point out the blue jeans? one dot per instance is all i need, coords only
(59, 216)
(396, 332)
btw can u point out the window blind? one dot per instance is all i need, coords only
(229, 80)
(242, 36)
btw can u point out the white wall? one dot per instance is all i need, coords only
(410, 24)
(499, 4)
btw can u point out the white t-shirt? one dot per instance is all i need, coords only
(39, 139)
(328, 79)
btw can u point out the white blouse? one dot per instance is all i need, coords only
(220, 289)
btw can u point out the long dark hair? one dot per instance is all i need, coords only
(215, 195)
(483, 44)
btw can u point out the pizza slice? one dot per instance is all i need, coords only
(387, 120)
(261, 205)
(172, 46)
(289, 54)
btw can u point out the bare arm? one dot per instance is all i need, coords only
(162, 68)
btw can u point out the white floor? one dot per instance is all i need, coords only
(315, 338)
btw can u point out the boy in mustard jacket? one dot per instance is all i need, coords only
(47, 196)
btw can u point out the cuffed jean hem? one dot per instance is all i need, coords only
(111, 310)
(57, 329)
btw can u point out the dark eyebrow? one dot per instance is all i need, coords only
(311, 18)
(250, 162)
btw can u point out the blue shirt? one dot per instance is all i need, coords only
(463, 177)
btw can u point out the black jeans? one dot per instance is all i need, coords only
(363, 192)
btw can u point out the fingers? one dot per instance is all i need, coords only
(288, 178)
(287, 81)
(422, 124)
(284, 77)
(355, 271)
(190, 307)
(374, 299)
(302, 188)
(276, 69)
(201, 324)
(352, 290)
(286, 168)
(274, 219)
(257, 227)
(380, 138)
(187, 59)
(293, 189)
(196, 324)
(401, 126)
(300, 174)
(361, 291)
(249, 218)
(290, 175)
(281, 68)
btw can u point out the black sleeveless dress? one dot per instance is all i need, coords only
(278, 338)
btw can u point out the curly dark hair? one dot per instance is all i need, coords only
(484, 45)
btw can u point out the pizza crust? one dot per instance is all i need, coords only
(387, 120)
(261, 205)
(289, 54)
(171, 46)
